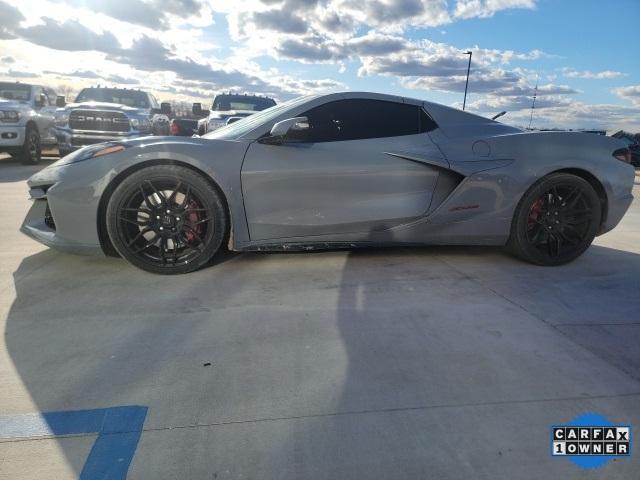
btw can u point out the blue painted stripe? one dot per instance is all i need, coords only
(118, 428)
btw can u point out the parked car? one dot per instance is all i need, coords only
(100, 114)
(26, 120)
(187, 127)
(634, 150)
(338, 170)
(229, 107)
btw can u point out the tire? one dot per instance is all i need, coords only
(166, 219)
(555, 221)
(31, 151)
(63, 153)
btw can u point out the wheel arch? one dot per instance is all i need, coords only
(585, 175)
(103, 236)
(597, 186)
(31, 123)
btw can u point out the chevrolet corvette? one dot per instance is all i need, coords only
(342, 170)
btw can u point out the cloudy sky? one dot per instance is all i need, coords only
(580, 52)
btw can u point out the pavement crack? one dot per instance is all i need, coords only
(393, 410)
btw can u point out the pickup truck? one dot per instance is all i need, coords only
(227, 108)
(101, 114)
(26, 120)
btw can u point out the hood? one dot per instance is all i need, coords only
(104, 106)
(167, 143)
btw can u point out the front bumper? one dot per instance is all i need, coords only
(36, 227)
(11, 136)
(70, 140)
(64, 213)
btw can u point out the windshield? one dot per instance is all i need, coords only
(130, 98)
(241, 127)
(15, 91)
(223, 103)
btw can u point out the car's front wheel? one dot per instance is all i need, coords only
(31, 151)
(556, 220)
(166, 219)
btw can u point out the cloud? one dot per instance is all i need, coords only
(150, 54)
(7, 59)
(280, 20)
(153, 14)
(308, 49)
(374, 44)
(393, 15)
(69, 35)
(630, 93)
(11, 73)
(587, 74)
(10, 17)
(436, 66)
(579, 115)
(488, 8)
(91, 75)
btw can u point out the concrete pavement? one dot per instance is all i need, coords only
(438, 362)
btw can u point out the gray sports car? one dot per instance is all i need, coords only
(334, 171)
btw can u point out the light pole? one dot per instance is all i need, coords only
(464, 103)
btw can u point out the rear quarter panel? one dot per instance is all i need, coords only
(499, 169)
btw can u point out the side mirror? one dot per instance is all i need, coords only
(40, 101)
(280, 130)
(61, 101)
(165, 107)
(198, 111)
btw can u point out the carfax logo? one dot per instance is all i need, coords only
(590, 440)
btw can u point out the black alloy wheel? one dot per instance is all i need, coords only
(556, 220)
(166, 219)
(32, 150)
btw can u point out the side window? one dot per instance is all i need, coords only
(153, 102)
(357, 119)
(36, 93)
(51, 95)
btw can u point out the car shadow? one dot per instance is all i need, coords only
(400, 328)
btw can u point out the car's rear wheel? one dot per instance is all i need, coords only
(556, 220)
(166, 219)
(31, 151)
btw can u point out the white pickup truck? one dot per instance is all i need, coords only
(26, 120)
(228, 108)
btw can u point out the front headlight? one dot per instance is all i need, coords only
(92, 151)
(9, 116)
(141, 124)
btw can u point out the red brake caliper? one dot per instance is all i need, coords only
(534, 212)
(193, 218)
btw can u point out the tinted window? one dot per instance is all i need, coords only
(37, 91)
(51, 95)
(223, 103)
(15, 91)
(130, 98)
(357, 119)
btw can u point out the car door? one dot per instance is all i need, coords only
(338, 177)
